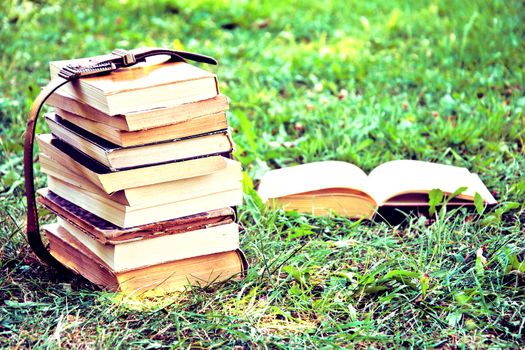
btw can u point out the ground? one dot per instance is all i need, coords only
(363, 82)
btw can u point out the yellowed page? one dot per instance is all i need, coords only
(412, 176)
(312, 177)
(343, 204)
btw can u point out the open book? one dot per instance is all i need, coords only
(342, 188)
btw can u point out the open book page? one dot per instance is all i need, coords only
(312, 177)
(410, 176)
(479, 187)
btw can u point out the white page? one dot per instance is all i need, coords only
(312, 177)
(412, 176)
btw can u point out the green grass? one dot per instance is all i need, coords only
(364, 82)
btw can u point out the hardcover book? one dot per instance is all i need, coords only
(224, 179)
(156, 279)
(112, 181)
(128, 216)
(205, 124)
(142, 87)
(116, 157)
(140, 120)
(108, 233)
(124, 256)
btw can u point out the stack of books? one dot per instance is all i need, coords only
(141, 179)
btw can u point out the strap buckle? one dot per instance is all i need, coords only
(71, 72)
(128, 58)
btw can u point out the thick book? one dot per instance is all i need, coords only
(116, 157)
(205, 124)
(108, 233)
(140, 120)
(128, 216)
(224, 179)
(142, 87)
(125, 256)
(112, 181)
(156, 279)
(341, 188)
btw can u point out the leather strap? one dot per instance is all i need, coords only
(91, 66)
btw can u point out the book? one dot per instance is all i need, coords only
(321, 188)
(141, 253)
(128, 216)
(153, 280)
(205, 124)
(112, 181)
(116, 157)
(224, 179)
(139, 120)
(142, 87)
(108, 233)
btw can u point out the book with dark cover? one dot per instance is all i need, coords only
(108, 233)
(116, 157)
(111, 181)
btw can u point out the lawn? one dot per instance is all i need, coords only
(363, 82)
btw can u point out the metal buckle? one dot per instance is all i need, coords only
(127, 57)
